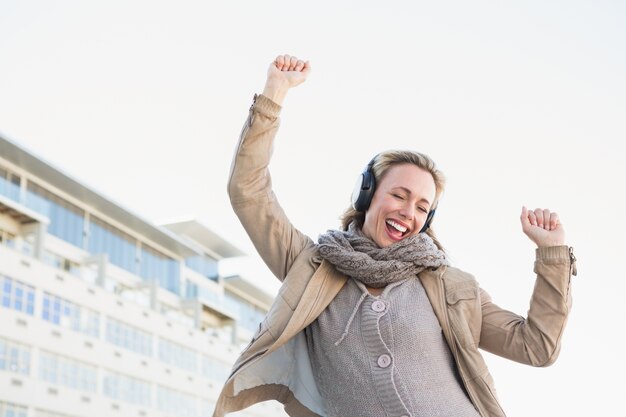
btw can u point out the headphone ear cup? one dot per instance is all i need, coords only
(363, 191)
(429, 220)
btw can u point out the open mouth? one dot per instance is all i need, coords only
(396, 230)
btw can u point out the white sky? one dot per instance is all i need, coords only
(519, 103)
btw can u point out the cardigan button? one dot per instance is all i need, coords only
(378, 306)
(384, 361)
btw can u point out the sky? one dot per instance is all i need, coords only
(519, 103)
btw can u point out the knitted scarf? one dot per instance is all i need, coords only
(360, 258)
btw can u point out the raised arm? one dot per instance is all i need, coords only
(536, 339)
(250, 185)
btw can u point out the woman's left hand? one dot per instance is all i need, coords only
(542, 227)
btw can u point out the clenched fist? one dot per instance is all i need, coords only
(542, 227)
(285, 72)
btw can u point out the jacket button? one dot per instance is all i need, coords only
(378, 306)
(384, 361)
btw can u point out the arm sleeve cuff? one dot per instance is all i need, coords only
(552, 253)
(266, 106)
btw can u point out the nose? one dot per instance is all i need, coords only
(407, 211)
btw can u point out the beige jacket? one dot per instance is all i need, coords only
(275, 365)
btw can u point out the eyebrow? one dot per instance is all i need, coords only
(406, 190)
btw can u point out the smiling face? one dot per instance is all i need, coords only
(400, 205)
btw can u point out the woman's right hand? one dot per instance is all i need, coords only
(285, 72)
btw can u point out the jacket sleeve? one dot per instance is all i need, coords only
(277, 241)
(535, 340)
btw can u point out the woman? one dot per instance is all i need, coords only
(372, 320)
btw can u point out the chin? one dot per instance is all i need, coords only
(383, 243)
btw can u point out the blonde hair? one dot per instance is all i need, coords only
(385, 160)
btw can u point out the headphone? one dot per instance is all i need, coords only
(364, 192)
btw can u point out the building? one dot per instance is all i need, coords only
(105, 314)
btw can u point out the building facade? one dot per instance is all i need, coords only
(105, 314)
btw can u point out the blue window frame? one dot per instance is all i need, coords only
(66, 220)
(14, 357)
(67, 372)
(203, 265)
(128, 337)
(9, 184)
(67, 314)
(120, 246)
(178, 355)
(12, 410)
(17, 295)
(158, 267)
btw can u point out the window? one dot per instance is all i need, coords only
(176, 314)
(215, 369)
(157, 267)
(212, 297)
(120, 246)
(128, 337)
(12, 410)
(14, 357)
(128, 389)
(66, 220)
(9, 184)
(191, 289)
(176, 403)
(67, 372)
(58, 261)
(203, 265)
(69, 315)
(177, 355)
(28, 244)
(7, 239)
(17, 295)
(249, 315)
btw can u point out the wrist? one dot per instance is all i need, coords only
(548, 243)
(276, 90)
